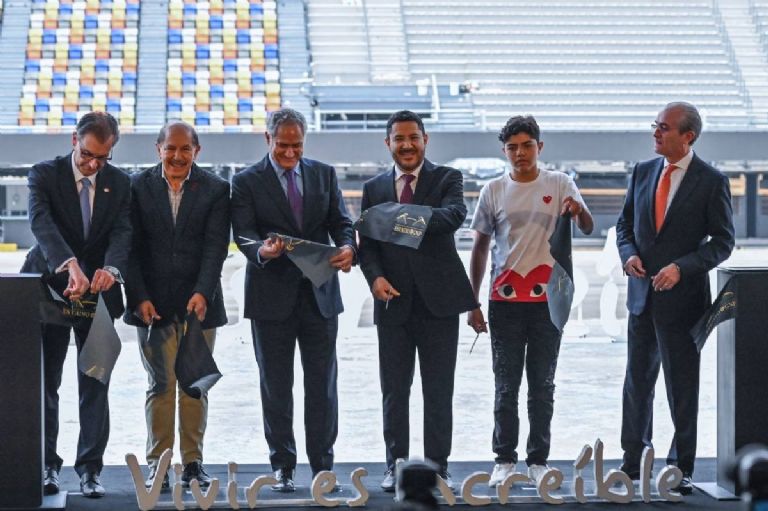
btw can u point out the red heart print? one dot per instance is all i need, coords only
(547, 199)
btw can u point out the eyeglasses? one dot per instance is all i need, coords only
(663, 127)
(87, 156)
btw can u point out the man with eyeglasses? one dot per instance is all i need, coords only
(676, 225)
(180, 218)
(79, 210)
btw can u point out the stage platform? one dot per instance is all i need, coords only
(121, 495)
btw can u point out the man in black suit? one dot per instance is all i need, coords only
(79, 208)
(180, 217)
(419, 294)
(287, 194)
(675, 226)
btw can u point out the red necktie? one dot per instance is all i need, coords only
(662, 195)
(406, 196)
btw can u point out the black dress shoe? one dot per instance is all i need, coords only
(686, 485)
(90, 486)
(153, 475)
(51, 481)
(194, 471)
(284, 478)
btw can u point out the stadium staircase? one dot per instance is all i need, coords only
(294, 70)
(153, 52)
(13, 43)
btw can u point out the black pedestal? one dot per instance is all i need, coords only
(742, 368)
(21, 400)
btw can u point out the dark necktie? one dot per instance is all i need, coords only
(294, 197)
(85, 205)
(406, 196)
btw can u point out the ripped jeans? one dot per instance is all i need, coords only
(522, 335)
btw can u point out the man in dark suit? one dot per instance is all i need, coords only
(180, 217)
(287, 194)
(675, 226)
(79, 208)
(419, 294)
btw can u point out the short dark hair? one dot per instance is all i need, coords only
(691, 118)
(286, 116)
(100, 124)
(191, 131)
(404, 116)
(520, 124)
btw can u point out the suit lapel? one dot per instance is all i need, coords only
(687, 185)
(70, 197)
(424, 182)
(275, 192)
(159, 190)
(188, 199)
(388, 187)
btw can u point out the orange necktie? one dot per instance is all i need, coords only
(662, 194)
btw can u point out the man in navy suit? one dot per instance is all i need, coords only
(287, 194)
(675, 226)
(180, 218)
(419, 294)
(79, 208)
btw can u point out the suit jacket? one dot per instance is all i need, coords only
(260, 206)
(434, 269)
(697, 235)
(54, 214)
(169, 263)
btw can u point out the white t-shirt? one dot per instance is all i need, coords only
(521, 217)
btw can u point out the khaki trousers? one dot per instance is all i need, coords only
(159, 359)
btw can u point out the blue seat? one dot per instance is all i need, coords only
(91, 21)
(41, 105)
(102, 66)
(86, 92)
(68, 119)
(202, 52)
(216, 22)
(117, 37)
(243, 37)
(256, 9)
(32, 66)
(188, 79)
(230, 65)
(202, 119)
(65, 10)
(217, 91)
(113, 105)
(190, 9)
(132, 9)
(174, 37)
(257, 78)
(59, 79)
(75, 52)
(49, 37)
(129, 79)
(271, 53)
(173, 105)
(244, 105)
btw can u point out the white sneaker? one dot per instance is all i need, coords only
(500, 472)
(536, 472)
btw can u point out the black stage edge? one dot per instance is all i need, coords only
(21, 402)
(742, 359)
(121, 494)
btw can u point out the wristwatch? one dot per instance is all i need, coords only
(115, 273)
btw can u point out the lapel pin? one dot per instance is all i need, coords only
(106, 190)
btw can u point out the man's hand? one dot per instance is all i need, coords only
(343, 259)
(667, 278)
(634, 267)
(476, 320)
(78, 282)
(147, 313)
(572, 207)
(272, 248)
(383, 290)
(102, 281)
(199, 305)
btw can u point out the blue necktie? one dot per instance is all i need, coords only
(294, 198)
(85, 205)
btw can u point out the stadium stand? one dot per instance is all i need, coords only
(80, 56)
(223, 65)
